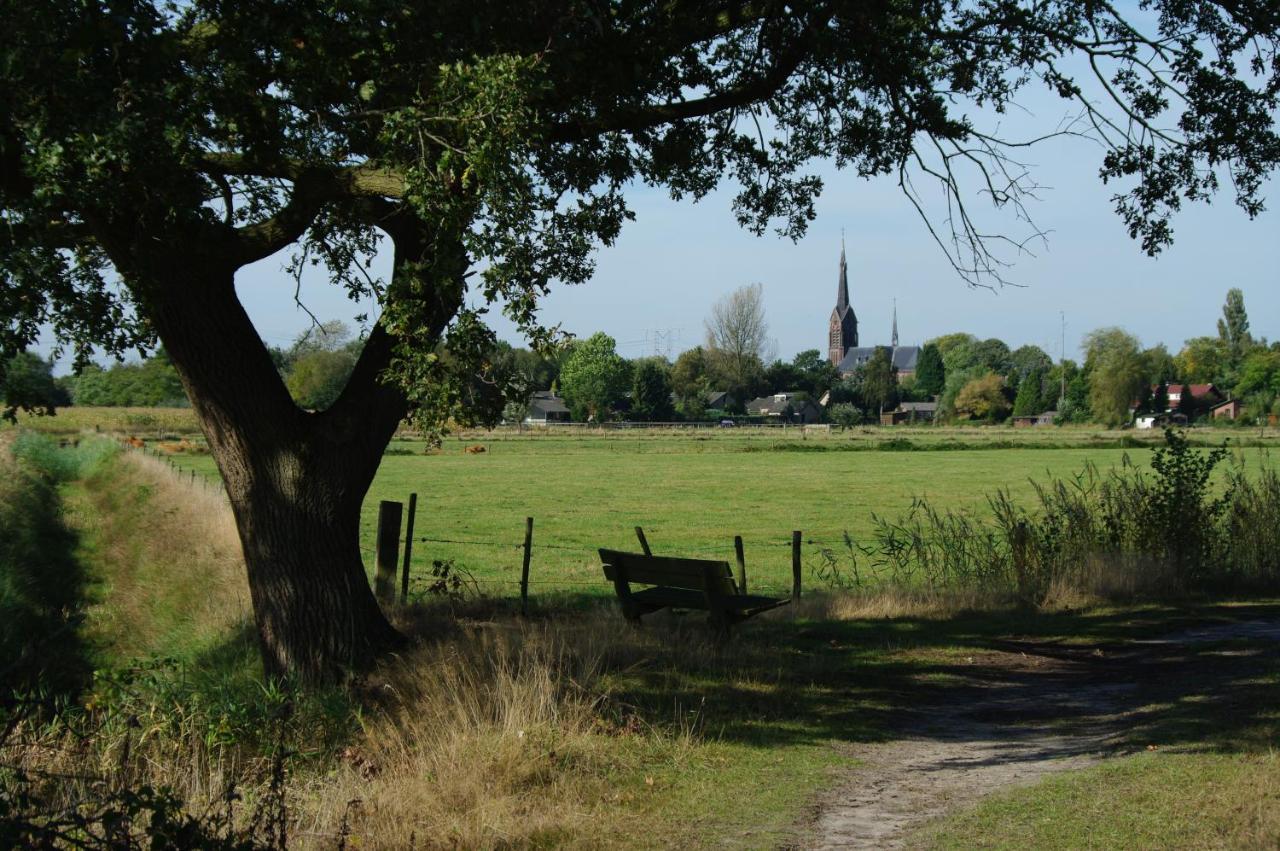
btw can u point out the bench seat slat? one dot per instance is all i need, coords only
(681, 583)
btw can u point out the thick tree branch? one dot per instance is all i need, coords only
(750, 91)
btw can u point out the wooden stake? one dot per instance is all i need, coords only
(795, 565)
(408, 549)
(742, 563)
(387, 548)
(644, 544)
(524, 570)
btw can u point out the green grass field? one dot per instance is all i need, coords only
(691, 494)
(695, 743)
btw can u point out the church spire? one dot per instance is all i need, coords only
(842, 330)
(842, 293)
(894, 339)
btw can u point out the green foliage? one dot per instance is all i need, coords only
(1233, 327)
(594, 377)
(983, 398)
(879, 381)
(1203, 360)
(1030, 394)
(1158, 366)
(150, 383)
(651, 391)
(844, 414)
(931, 374)
(1161, 533)
(27, 383)
(690, 382)
(1116, 377)
(1026, 360)
(316, 379)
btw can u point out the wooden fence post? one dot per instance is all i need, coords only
(408, 548)
(524, 570)
(387, 548)
(742, 564)
(795, 565)
(644, 544)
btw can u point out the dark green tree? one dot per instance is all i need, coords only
(818, 375)
(879, 381)
(27, 382)
(1233, 327)
(594, 377)
(1025, 360)
(690, 382)
(651, 391)
(149, 151)
(1030, 393)
(931, 375)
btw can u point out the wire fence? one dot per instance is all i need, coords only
(422, 559)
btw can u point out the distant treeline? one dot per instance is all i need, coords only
(970, 379)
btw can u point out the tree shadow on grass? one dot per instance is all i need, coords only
(778, 682)
(43, 656)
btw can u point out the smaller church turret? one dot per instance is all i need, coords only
(843, 327)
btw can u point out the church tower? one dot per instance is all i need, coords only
(843, 327)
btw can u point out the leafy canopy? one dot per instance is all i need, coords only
(140, 139)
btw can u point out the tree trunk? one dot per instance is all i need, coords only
(295, 479)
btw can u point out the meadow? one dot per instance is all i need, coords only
(572, 729)
(693, 493)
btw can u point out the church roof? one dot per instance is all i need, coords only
(904, 358)
(842, 288)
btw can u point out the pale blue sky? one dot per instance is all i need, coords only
(677, 258)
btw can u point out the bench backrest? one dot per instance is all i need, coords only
(690, 573)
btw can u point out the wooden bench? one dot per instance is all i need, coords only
(681, 583)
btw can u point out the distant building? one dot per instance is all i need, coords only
(1228, 410)
(842, 335)
(719, 400)
(1044, 419)
(1202, 393)
(546, 407)
(785, 407)
(910, 412)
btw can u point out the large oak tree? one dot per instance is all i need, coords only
(149, 150)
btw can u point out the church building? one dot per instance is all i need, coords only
(842, 335)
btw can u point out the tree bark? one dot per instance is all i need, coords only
(295, 479)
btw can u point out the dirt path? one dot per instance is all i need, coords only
(1015, 715)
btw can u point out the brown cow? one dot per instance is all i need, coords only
(475, 449)
(135, 442)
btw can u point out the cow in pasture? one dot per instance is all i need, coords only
(474, 449)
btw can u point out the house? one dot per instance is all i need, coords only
(785, 407)
(1228, 410)
(910, 412)
(1205, 394)
(546, 407)
(719, 400)
(1046, 418)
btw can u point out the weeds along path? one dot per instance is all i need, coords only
(1012, 716)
